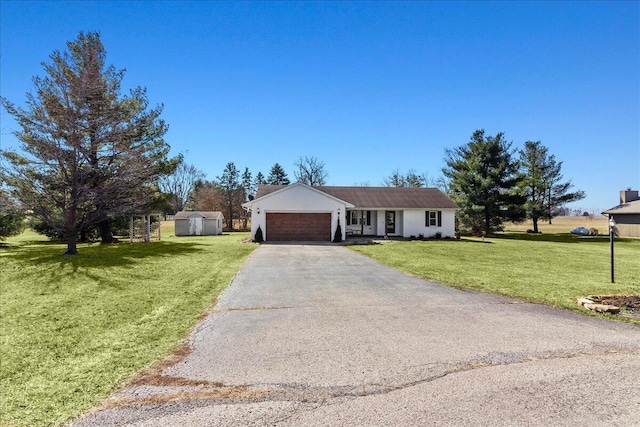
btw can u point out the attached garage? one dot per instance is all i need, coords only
(298, 226)
(296, 212)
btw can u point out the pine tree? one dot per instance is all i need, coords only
(484, 182)
(88, 154)
(541, 182)
(11, 216)
(229, 183)
(277, 176)
(248, 186)
(259, 180)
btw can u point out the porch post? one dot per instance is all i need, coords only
(147, 234)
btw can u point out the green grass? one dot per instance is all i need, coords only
(551, 269)
(75, 328)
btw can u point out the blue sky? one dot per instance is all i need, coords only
(366, 87)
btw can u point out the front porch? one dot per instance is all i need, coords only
(373, 223)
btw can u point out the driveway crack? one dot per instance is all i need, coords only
(170, 389)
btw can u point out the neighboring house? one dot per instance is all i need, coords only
(198, 223)
(303, 213)
(627, 214)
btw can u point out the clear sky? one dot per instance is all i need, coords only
(366, 87)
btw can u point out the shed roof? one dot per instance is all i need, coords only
(380, 197)
(203, 214)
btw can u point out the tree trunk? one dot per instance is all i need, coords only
(72, 248)
(535, 224)
(106, 236)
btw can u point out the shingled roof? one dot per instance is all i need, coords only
(204, 214)
(380, 197)
(631, 208)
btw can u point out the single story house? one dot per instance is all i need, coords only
(198, 223)
(300, 212)
(626, 214)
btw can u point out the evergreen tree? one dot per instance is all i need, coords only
(541, 182)
(248, 186)
(229, 183)
(484, 182)
(88, 153)
(259, 180)
(534, 166)
(11, 216)
(248, 193)
(277, 176)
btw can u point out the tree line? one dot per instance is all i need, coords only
(490, 182)
(90, 157)
(232, 188)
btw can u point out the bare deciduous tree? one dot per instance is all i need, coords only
(208, 197)
(310, 171)
(410, 179)
(180, 184)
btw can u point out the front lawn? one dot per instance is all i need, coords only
(552, 269)
(75, 328)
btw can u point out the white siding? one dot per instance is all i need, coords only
(415, 224)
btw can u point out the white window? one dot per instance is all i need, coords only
(433, 218)
(356, 218)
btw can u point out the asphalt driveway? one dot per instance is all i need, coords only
(317, 335)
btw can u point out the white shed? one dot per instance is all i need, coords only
(198, 223)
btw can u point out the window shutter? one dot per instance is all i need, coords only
(426, 218)
(439, 218)
(348, 220)
(368, 217)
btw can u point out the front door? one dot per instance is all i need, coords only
(390, 220)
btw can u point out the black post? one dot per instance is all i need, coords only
(611, 243)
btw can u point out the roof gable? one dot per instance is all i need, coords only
(379, 197)
(265, 191)
(198, 214)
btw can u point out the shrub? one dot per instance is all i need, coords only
(258, 238)
(337, 237)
